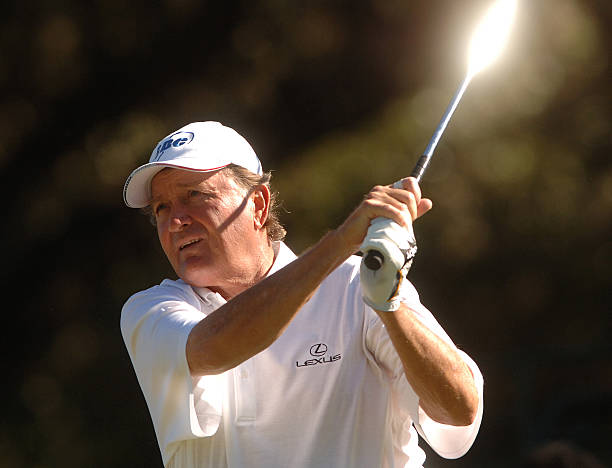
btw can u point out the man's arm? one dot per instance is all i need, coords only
(254, 319)
(434, 369)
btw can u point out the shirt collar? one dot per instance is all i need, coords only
(283, 256)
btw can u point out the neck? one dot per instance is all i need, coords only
(261, 264)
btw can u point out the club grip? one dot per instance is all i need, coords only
(420, 167)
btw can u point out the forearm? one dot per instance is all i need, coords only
(434, 369)
(254, 319)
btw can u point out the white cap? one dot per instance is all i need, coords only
(197, 147)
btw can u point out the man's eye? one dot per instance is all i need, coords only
(199, 195)
(159, 208)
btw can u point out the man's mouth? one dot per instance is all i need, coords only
(189, 243)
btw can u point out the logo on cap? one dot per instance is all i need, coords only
(173, 141)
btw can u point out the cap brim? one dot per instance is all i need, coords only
(137, 189)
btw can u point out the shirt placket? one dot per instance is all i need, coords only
(244, 393)
(243, 375)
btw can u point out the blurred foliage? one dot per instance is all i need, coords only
(515, 259)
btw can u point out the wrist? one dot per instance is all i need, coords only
(328, 253)
(342, 247)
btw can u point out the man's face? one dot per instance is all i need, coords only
(208, 226)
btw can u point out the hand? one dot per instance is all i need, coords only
(402, 205)
(418, 206)
(388, 250)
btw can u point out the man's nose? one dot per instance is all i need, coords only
(179, 219)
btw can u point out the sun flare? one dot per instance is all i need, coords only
(491, 34)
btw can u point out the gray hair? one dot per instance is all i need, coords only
(249, 181)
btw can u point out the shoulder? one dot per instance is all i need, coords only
(348, 270)
(167, 293)
(167, 290)
(343, 281)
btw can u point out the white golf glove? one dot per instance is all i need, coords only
(398, 247)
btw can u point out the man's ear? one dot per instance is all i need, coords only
(261, 203)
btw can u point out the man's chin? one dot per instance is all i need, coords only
(194, 276)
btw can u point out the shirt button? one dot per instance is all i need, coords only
(244, 374)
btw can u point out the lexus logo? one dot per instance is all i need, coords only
(318, 349)
(318, 352)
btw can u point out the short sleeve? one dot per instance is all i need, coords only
(448, 441)
(155, 325)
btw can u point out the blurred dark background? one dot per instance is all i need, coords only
(514, 260)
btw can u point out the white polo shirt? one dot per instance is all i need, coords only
(329, 392)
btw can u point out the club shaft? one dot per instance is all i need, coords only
(424, 160)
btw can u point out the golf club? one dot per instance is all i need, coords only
(487, 42)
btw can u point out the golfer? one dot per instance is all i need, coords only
(254, 357)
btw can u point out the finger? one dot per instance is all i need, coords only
(389, 207)
(407, 197)
(411, 184)
(392, 196)
(400, 199)
(424, 206)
